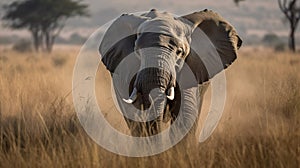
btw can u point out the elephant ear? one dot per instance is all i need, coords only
(214, 44)
(119, 40)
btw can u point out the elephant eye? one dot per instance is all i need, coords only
(179, 51)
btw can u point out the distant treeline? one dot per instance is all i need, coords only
(74, 38)
(269, 39)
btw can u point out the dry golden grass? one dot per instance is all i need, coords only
(260, 126)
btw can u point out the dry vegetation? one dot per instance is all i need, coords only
(260, 126)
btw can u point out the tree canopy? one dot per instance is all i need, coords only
(237, 1)
(291, 10)
(43, 18)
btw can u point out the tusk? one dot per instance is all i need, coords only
(132, 97)
(171, 93)
(129, 101)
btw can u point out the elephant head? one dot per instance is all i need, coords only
(159, 45)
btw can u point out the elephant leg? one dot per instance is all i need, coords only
(191, 136)
(186, 114)
(143, 129)
(154, 127)
(136, 128)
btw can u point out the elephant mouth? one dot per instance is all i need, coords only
(145, 82)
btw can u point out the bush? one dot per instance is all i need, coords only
(76, 38)
(59, 61)
(22, 46)
(271, 39)
(279, 47)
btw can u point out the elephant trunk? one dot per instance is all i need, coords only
(156, 79)
(151, 79)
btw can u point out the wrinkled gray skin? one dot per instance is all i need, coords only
(160, 47)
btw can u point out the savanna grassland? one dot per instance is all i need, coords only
(260, 126)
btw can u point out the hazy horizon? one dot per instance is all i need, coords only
(250, 18)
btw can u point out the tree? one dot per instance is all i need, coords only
(43, 18)
(76, 38)
(291, 9)
(271, 39)
(237, 1)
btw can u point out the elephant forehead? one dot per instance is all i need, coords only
(168, 27)
(165, 25)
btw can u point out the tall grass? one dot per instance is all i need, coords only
(260, 126)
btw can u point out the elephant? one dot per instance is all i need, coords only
(161, 66)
